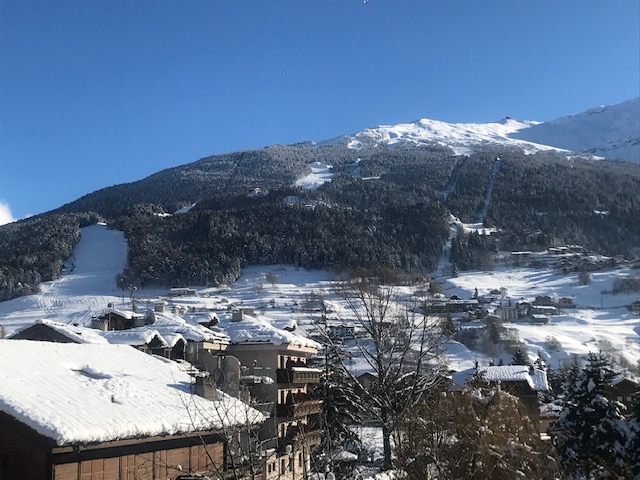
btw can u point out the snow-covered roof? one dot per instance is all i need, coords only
(128, 314)
(82, 393)
(172, 338)
(253, 329)
(133, 336)
(72, 332)
(537, 379)
(188, 327)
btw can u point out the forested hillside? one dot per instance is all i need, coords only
(384, 207)
(34, 250)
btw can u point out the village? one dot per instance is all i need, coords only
(194, 383)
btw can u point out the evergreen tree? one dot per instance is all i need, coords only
(520, 357)
(342, 405)
(590, 433)
(633, 443)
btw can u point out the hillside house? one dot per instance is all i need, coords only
(114, 319)
(520, 380)
(341, 331)
(622, 390)
(539, 319)
(543, 300)
(451, 306)
(49, 331)
(566, 302)
(97, 411)
(543, 310)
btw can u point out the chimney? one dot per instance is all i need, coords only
(236, 316)
(532, 371)
(205, 387)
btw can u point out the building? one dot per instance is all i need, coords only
(97, 411)
(49, 331)
(507, 313)
(267, 367)
(622, 390)
(115, 319)
(341, 331)
(146, 339)
(182, 291)
(520, 380)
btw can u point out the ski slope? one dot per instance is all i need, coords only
(87, 285)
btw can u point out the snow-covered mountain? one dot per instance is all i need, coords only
(462, 138)
(611, 132)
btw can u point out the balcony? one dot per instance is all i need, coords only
(299, 405)
(298, 373)
(298, 437)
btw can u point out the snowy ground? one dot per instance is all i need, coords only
(599, 321)
(320, 173)
(86, 287)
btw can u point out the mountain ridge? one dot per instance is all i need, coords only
(611, 131)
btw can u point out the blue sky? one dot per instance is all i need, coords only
(95, 93)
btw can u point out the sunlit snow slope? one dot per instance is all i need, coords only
(87, 285)
(611, 131)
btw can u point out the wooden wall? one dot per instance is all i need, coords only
(26, 455)
(20, 457)
(162, 464)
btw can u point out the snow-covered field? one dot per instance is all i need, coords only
(600, 321)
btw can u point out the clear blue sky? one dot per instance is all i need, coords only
(96, 92)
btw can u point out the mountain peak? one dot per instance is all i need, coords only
(611, 131)
(462, 138)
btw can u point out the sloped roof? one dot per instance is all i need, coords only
(253, 329)
(133, 336)
(83, 393)
(74, 333)
(189, 328)
(504, 373)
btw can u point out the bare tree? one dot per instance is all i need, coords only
(401, 348)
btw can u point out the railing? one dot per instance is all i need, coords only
(299, 405)
(298, 373)
(299, 437)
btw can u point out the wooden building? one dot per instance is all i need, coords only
(99, 411)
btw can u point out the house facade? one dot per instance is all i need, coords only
(24, 453)
(269, 371)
